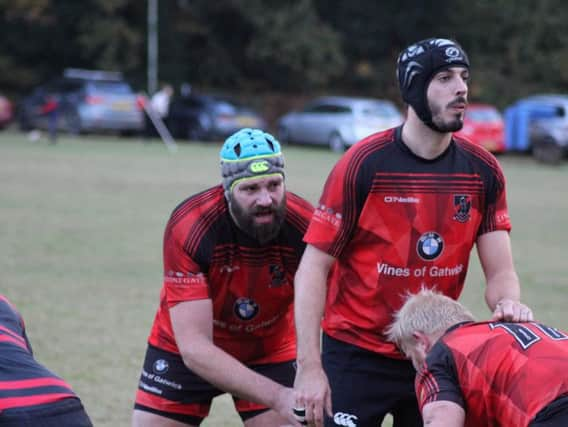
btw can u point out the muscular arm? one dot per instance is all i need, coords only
(443, 414)
(192, 323)
(310, 287)
(503, 292)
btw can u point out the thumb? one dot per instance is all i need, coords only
(328, 408)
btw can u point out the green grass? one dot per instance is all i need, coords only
(80, 252)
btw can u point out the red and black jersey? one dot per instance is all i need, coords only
(500, 373)
(251, 285)
(23, 381)
(396, 222)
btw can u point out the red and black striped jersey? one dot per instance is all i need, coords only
(251, 285)
(23, 381)
(396, 222)
(500, 373)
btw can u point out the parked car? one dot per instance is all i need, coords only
(209, 117)
(539, 124)
(549, 134)
(6, 111)
(338, 121)
(86, 101)
(484, 125)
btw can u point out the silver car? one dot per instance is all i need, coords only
(338, 121)
(87, 101)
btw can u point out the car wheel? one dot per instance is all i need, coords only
(548, 151)
(336, 143)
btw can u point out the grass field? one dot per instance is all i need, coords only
(80, 248)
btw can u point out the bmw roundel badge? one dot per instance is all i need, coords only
(430, 246)
(160, 366)
(245, 308)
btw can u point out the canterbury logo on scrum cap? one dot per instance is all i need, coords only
(260, 166)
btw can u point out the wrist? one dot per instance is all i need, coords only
(307, 363)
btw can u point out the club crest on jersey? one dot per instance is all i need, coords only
(245, 308)
(430, 246)
(278, 275)
(160, 366)
(462, 206)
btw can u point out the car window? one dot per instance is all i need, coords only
(224, 107)
(110, 87)
(327, 108)
(379, 110)
(67, 86)
(483, 115)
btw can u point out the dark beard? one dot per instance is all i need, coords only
(450, 126)
(261, 232)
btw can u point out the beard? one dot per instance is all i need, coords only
(245, 220)
(445, 126)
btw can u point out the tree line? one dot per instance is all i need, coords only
(293, 47)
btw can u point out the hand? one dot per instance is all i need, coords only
(512, 311)
(313, 395)
(285, 402)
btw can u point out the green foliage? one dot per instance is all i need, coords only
(516, 48)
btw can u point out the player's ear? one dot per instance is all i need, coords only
(423, 342)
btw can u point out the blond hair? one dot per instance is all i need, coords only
(428, 312)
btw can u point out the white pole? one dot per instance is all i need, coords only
(152, 46)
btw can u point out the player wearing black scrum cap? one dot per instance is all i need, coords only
(401, 210)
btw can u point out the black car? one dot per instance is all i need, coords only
(85, 101)
(209, 117)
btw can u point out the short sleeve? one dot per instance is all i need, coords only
(438, 379)
(184, 279)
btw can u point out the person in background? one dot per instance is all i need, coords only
(160, 101)
(158, 106)
(30, 394)
(482, 373)
(400, 210)
(50, 108)
(225, 319)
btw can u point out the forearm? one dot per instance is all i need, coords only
(501, 286)
(310, 293)
(228, 374)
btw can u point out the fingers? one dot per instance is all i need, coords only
(300, 415)
(309, 413)
(328, 405)
(512, 311)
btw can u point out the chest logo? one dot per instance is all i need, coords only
(462, 206)
(245, 308)
(278, 275)
(430, 246)
(160, 366)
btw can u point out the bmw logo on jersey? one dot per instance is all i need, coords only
(430, 246)
(160, 366)
(245, 308)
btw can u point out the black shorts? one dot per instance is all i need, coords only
(63, 413)
(168, 388)
(365, 386)
(555, 414)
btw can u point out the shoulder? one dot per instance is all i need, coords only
(298, 211)
(477, 154)
(366, 152)
(209, 203)
(9, 315)
(298, 203)
(371, 144)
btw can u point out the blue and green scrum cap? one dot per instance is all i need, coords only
(247, 154)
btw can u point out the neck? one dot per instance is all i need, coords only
(421, 140)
